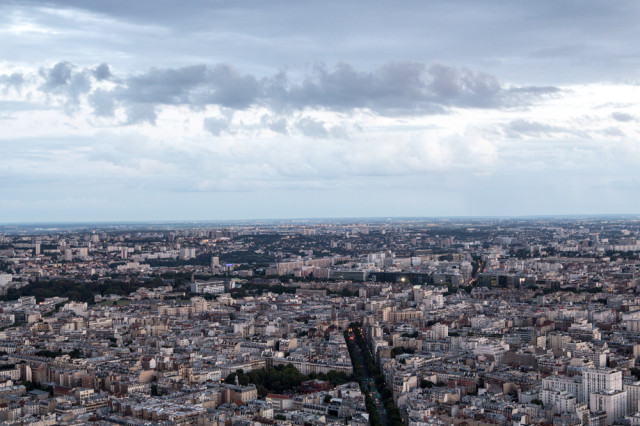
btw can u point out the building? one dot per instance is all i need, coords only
(596, 380)
(5, 279)
(633, 396)
(612, 402)
(210, 287)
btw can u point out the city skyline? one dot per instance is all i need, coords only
(130, 112)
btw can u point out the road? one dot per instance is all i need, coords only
(367, 384)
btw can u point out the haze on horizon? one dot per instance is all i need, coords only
(131, 111)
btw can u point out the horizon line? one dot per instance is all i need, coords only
(315, 219)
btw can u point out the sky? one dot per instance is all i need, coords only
(203, 110)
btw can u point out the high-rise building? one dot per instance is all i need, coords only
(612, 402)
(604, 379)
(633, 396)
(187, 253)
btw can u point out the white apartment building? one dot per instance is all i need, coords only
(633, 396)
(604, 379)
(612, 402)
(572, 385)
(562, 401)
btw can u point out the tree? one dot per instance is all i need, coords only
(537, 402)
(426, 384)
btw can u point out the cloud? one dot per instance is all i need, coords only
(622, 116)
(57, 76)
(393, 89)
(312, 128)
(103, 103)
(140, 113)
(216, 126)
(62, 80)
(277, 125)
(14, 80)
(102, 72)
(613, 131)
(399, 88)
(521, 127)
(196, 85)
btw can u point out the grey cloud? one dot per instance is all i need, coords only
(518, 128)
(164, 86)
(622, 117)
(139, 113)
(312, 128)
(59, 75)
(401, 88)
(391, 89)
(227, 87)
(14, 80)
(62, 80)
(194, 85)
(394, 88)
(216, 126)
(397, 88)
(79, 85)
(278, 125)
(103, 103)
(464, 88)
(613, 131)
(102, 72)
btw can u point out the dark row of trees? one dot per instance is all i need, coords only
(284, 378)
(76, 353)
(78, 291)
(251, 289)
(398, 350)
(345, 292)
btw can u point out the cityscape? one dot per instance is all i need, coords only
(319, 212)
(388, 321)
